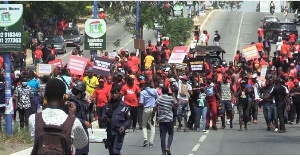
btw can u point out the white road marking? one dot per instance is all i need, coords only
(115, 24)
(202, 138)
(191, 154)
(196, 147)
(207, 131)
(239, 32)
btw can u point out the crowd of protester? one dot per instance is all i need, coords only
(150, 81)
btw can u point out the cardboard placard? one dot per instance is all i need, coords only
(112, 55)
(77, 64)
(178, 54)
(44, 69)
(102, 66)
(250, 52)
(263, 72)
(197, 65)
(57, 63)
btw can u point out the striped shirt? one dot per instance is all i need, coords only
(165, 104)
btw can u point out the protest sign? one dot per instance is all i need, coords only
(250, 52)
(112, 55)
(102, 66)
(197, 65)
(44, 69)
(263, 72)
(178, 54)
(56, 63)
(77, 64)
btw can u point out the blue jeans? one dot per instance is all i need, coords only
(164, 128)
(36, 100)
(182, 112)
(200, 111)
(270, 114)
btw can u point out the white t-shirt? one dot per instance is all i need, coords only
(278, 45)
(203, 37)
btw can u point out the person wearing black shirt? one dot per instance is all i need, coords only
(243, 104)
(294, 93)
(281, 95)
(217, 38)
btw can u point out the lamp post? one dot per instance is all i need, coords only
(7, 77)
(95, 16)
(137, 22)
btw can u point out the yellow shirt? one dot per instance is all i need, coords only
(148, 61)
(91, 84)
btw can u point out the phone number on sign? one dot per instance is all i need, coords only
(10, 40)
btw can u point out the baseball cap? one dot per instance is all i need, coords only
(296, 81)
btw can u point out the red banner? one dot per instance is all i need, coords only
(77, 64)
(57, 63)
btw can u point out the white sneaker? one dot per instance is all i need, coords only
(228, 121)
(276, 129)
(204, 130)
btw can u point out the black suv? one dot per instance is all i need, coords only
(274, 29)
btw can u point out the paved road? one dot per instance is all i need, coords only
(236, 29)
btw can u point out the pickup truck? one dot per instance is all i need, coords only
(274, 29)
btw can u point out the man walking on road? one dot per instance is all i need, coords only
(147, 99)
(165, 103)
(217, 38)
(281, 96)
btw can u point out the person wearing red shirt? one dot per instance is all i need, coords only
(102, 15)
(260, 33)
(237, 57)
(101, 96)
(292, 38)
(131, 92)
(285, 49)
(108, 84)
(105, 55)
(290, 83)
(259, 47)
(211, 98)
(38, 55)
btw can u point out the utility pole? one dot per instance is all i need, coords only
(95, 14)
(137, 22)
(7, 77)
(158, 33)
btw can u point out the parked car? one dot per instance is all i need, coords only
(72, 37)
(268, 19)
(274, 29)
(297, 17)
(58, 41)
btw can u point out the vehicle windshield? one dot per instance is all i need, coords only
(289, 26)
(56, 39)
(70, 32)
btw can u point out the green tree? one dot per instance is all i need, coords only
(34, 10)
(295, 4)
(149, 13)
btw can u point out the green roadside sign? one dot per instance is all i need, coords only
(11, 27)
(95, 34)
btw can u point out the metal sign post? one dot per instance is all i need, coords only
(11, 31)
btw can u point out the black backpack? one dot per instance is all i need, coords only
(52, 139)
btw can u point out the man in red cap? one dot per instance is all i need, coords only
(295, 106)
(184, 90)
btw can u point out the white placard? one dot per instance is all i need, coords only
(44, 69)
